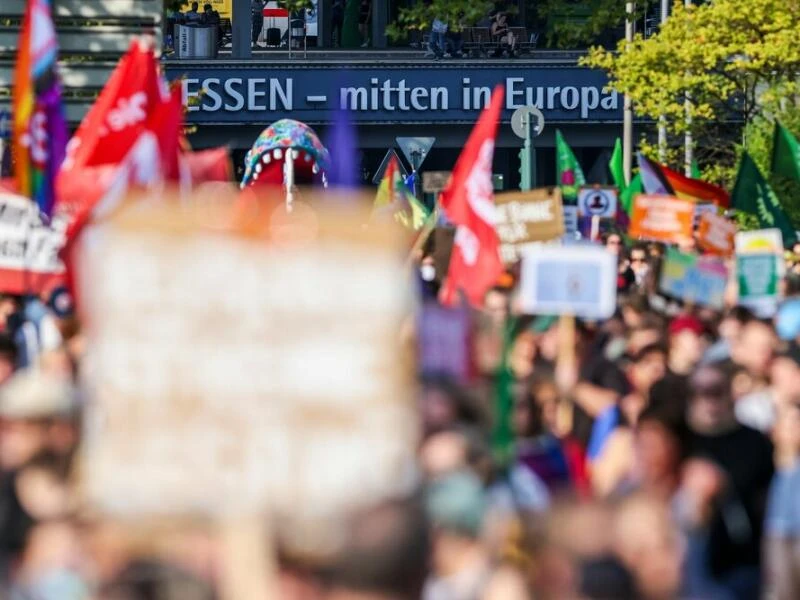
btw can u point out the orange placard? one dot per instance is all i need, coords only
(715, 234)
(661, 218)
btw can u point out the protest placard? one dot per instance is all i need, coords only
(661, 218)
(573, 280)
(703, 208)
(244, 371)
(443, 238)
(444, 341)
(525, 217)
(570, 220)
(715, 234)
(597, 201)
(693, 279)
(758, 276)
(29, 261)
(434, 182)
(760, 241)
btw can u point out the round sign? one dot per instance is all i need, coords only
(597, 202)
(519, 117)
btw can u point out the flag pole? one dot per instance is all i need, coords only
(662, 120)
(627, 126)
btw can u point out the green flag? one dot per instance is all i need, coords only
(785, 153)
(696, 174)
(569, 174)
(627, 194)
(616, 167)
(752, 194)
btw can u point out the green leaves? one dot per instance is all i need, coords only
(456, 13)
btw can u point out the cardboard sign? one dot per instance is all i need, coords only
(569, 280)
(661, 218)
(597, 202)
(444, 341)
(525, 217)
(434, 182)
(760, 241)
(443, 238)
(715, 234)
(703, 208)
(236, 371)
(693, 279)
(758, 276)
(29, 261)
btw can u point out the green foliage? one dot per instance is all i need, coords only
(456, 13)
(575, 25)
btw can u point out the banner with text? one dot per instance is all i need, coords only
(526, 217)
(661, 218)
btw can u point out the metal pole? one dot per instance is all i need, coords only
(627, 126)
(662, 121)
(688, 142)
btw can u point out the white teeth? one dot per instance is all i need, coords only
(266, 158)
(324, 181)
(255, 175)
(315, 168)
(241, 186)
(258, 167)
(307, 157)
(278, 153)
(295, 154)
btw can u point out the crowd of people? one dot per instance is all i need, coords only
(651, 456)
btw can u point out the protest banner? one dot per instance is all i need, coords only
(661, 218)
(758, 276)
(572, 280)
(597, 201)
(271, 358)
(526, 217)
(29, 262)
(703, 208)
(693, 279)
(715, 234)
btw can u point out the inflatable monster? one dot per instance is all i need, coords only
(268, 161)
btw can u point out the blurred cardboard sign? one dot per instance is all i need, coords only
(443, 238)
(525, 217)
(444, 342)
(244, 369)
(760, 241)
(29, 261)
(703, 208)
(597, 201)
(569, 280)
(661, 218)
(698, 280)
(758, 276)
(434, 182)
(715, 234)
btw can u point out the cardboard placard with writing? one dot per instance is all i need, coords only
(715, 234)
(231, 366)
(661, 218)
(525, 217)
(434, 181)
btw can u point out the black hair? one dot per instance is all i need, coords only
(8, 349)
(655, 347)
(194, 6)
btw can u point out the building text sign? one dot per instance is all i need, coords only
(388, 93)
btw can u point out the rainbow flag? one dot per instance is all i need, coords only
(39, 128)
(395, 199)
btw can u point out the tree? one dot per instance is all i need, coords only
(733, 58)
(456, 13)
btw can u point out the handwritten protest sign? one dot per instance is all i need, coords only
(29, 261)
(715, 234)
(574, 280)
(758, 276)
(434, 181)
(703, 208)
(661, 218)
(698, 280)
(245, 370)
(525, 217)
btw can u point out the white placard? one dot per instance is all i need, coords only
(574, 280)
(597, 202)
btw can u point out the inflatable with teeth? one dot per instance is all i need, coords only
(286, 144)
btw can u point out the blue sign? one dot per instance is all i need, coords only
(261, 93)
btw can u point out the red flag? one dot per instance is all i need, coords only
(468, 201)
(213, 164)
(166, 122)
(120, 113)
